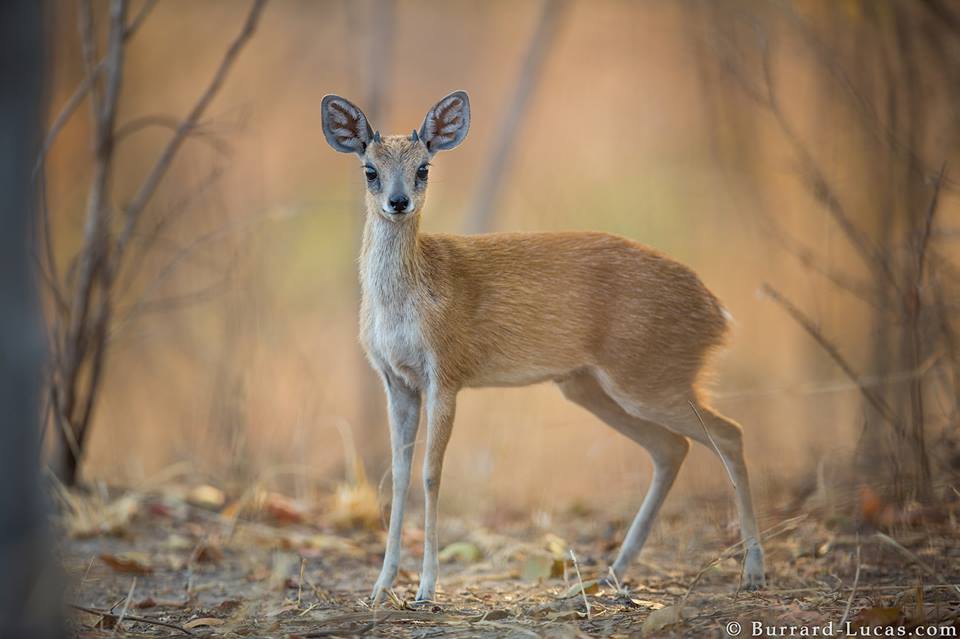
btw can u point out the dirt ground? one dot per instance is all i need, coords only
(188, 561)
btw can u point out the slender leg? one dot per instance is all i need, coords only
(726, 438)
(441, 405)
(667, 449)
(404, 408)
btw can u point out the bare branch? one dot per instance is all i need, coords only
(827, 57)
(136, 125)
(135, 208)
(180, 300)
(552, 11)
(88, 44)
(152, 236)
(164, 273)
(138, 19)
(820, 185)
(928, 224)
(92, 267)
(76, 98)
(858, 288)
(808, 325)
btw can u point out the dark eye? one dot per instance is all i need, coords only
(370, 172)
(423, 172)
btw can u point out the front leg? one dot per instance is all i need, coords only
(404, 408)
(441, 405)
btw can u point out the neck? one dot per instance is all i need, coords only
(388, 257)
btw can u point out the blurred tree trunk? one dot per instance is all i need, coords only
(480, 216)
(376, 20)
(27, 575)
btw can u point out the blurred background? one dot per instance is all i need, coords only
(794, 143)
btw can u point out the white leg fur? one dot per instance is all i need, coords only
(404, 408)
(441, 405)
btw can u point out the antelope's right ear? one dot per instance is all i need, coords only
(344, 125)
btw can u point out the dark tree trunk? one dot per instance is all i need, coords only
(26, 570)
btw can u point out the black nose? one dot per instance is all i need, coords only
(399, 203)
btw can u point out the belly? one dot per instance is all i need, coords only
(518, 375)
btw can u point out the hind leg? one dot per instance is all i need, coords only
(667, 449)
(725, 437)
(728, 437)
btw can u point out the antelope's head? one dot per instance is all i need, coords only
(396, 167)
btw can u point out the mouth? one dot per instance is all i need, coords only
(397, 215)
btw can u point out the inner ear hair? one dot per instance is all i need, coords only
(447, 122)
(345, 126)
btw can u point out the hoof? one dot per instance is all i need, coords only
(753, 573)
(425, 594)
(422, 603)
(754, 582)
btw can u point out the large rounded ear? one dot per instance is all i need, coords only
(344, 125)
(447, 122)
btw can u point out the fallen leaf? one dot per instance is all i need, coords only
(137, 563)
(566, 615)
(463, 551)
(178, 542)
(495, 615)
(209, 622)
(556, 546)
(229, 606)
(875, 510)
(878, 617)
(646, 603)
(282, 509)
(208, 553)
(590, 587)
(660, 619)
(205, 496)
(539, 566)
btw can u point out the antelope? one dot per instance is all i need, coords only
(623, 330)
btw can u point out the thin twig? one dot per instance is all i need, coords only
(729, 551)
(853, 591)
(713, 443)
(819, 185)
(816, 263)
(168, 122)
(165, 218)
(146, 620)
(915, 559)
(139, 18)
(303, 563)
(807, 324)
(126, 606)
(818, 388)
(928, 223)
(576, 566)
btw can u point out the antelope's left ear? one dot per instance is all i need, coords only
(446, 123)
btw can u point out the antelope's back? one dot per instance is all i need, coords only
(554, 301)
